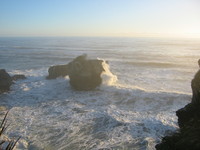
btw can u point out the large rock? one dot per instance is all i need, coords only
(5, 80)
(84, 74)
(188, 137)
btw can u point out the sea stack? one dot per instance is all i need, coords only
(188, 136)
(84, 74)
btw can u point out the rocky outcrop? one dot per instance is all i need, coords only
(5, 80)
(84, 74)
(188, 136)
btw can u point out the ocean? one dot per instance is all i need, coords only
(132, 110)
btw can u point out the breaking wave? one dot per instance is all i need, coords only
(107, 76)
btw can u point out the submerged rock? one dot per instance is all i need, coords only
(84, 74)
(18, 77)
(5, 80)
(188, 137)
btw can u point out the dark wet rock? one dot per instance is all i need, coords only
(5, 80)
(84, 74)
(57, 71)
(18, 77)
(195, 85)
(188, 113)
(188, 136)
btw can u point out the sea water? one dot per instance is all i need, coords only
(134, 108)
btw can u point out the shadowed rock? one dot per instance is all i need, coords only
(84, 74)
(5, 80)
(195, 84)
(18, 77)
(57, 71)
(188, 137)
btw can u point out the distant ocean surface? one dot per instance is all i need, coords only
(134, 112)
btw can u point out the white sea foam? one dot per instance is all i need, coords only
(50, 115)
(108, 78)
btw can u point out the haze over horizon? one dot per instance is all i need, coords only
(146, 18)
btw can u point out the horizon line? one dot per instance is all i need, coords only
(100, 36)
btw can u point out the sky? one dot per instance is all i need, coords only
(134, 18)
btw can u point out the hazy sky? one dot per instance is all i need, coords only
(100, 18)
